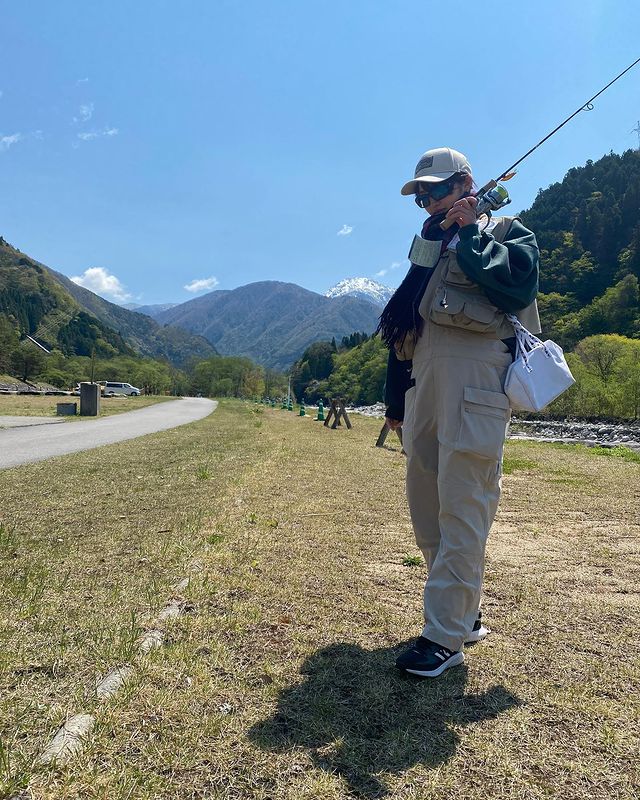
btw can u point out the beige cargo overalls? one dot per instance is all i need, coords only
(456, 418)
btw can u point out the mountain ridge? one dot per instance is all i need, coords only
(271, 322)
(364, 288)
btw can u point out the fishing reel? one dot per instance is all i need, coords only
(490, 198)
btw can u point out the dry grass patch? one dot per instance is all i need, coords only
(89, 548)
(282, 684)
(26, 405)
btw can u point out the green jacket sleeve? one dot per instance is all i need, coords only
(508, 271)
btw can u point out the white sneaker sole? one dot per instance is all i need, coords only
(478, 636)
(455, 659)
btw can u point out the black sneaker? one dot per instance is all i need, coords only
(428, 659)
(478, 632)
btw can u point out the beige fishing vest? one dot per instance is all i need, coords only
(452, 300)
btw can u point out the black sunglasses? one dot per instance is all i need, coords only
(437, 191)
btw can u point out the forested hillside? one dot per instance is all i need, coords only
(354, 371)
(35, 304)
(588, 229)
(41, 302)
(141, 332)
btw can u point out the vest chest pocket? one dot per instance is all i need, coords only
(455, 276)
(453, 307)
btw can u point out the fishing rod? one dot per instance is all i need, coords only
(492, 196)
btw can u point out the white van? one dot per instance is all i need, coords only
(111, 388)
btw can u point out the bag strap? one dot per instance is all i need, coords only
(525, 340)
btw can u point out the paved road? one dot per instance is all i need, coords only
(26, 422)
(25, 445)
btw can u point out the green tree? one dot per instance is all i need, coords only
(629, 377)
(9, 341)
(275, 383)
(607, 373)
(27, 360)
(359, 374)
(601, 355)
(315, 364)
(227, 376)
(152, 377)
(552, 307)
(301, 377)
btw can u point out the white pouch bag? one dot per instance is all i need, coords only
(539, 373)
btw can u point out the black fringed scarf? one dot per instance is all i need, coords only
(400, 315)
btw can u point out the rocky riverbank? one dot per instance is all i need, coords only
(14, 386)
(592, 434)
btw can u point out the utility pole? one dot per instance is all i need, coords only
(636, 130)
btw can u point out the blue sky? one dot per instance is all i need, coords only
(161, 145)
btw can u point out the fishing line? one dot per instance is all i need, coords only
(492, 197)
(586, 107)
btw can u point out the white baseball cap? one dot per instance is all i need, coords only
(435, 166)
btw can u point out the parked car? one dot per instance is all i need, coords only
(111, 388)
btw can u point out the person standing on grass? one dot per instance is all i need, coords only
(450, 346)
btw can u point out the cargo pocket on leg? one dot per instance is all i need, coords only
(483, 425)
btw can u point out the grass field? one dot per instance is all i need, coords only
(25, 405)
(304, 585)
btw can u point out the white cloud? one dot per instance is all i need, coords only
(345, 230)
(82, 80)
(87, 136)
(392, 266)
(7, 141)
(201, 284)
(102, 282)
(85, 113)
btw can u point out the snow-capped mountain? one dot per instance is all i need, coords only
(364, 288)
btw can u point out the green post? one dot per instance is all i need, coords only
(320, 414)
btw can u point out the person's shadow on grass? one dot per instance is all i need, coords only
(360, 717)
